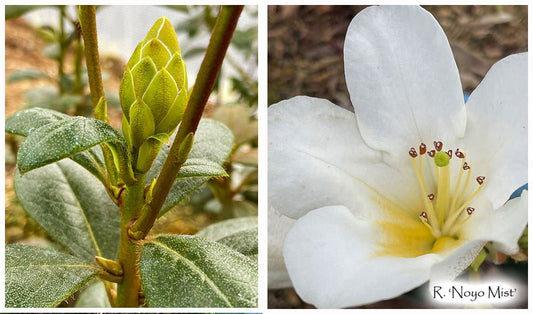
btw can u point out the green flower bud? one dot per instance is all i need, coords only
(153, 91)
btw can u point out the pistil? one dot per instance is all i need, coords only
(442, 161)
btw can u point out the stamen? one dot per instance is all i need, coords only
(424, 219)
(420, 176)
(442, 213)
(422, 148)
(438, 145)
(450, 222)
(457, 184)
(465, 167)
(457, 227)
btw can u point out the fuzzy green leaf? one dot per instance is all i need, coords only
(26, 121)
(92, 160)
(239, 234)
(37, 277)
(213, 141)
(188, 271)
(62, 139)
(72, 207)
(201, 168)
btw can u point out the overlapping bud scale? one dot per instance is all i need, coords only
(153, 92)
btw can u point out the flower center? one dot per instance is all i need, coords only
(445, 208)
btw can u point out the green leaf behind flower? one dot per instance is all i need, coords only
(72, 207)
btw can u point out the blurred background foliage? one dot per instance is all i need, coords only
(305, 57)
(45, 68)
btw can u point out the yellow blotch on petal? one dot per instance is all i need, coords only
(401, 235)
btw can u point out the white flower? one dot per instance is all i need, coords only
(376, 215)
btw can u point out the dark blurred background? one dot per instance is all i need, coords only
(305, 57)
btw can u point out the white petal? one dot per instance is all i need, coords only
(455, 263)
(504, 226)
(317, 158)
(402, 79)
(278, 226)
(496, 134)
(331, 258)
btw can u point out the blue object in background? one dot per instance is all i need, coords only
(518, 192)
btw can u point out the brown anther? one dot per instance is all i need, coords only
(431, 153)
(450, 153)
(470, 210)
(438, 145)
(431, 196)
(422, 148)
(424, 216)
(412, 152)
(466, 166)
(480, 180)
(459, 154)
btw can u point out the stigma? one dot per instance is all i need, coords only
(446, 207)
